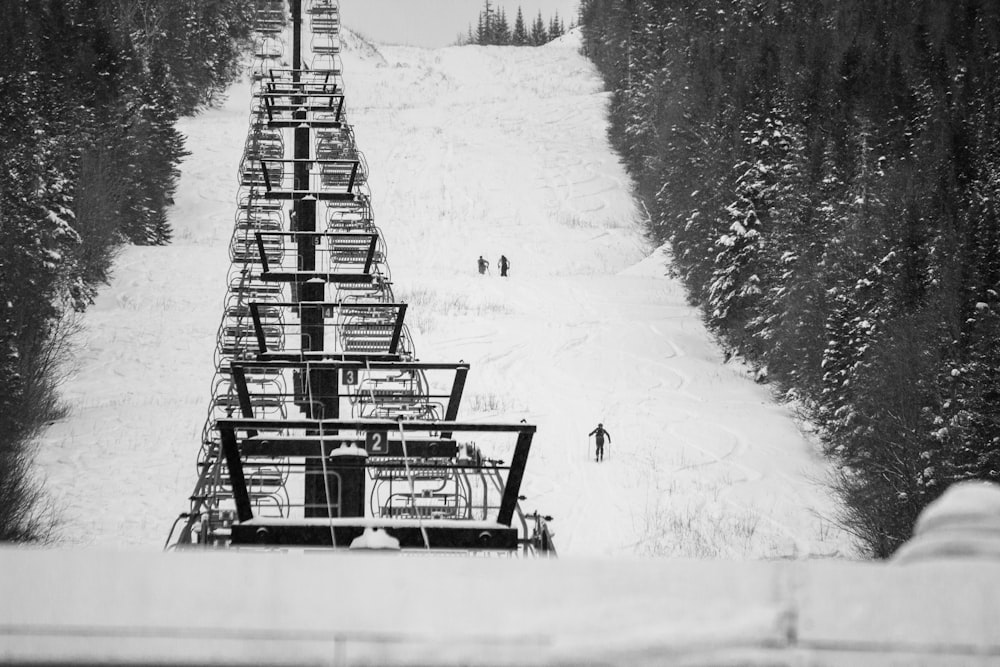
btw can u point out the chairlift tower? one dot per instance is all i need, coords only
(324, 430)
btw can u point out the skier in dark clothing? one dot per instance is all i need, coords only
(504, 265)
(483, 265)
(601, 434)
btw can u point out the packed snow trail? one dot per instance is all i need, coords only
(472, 151)
(496, 150)
(120, 468)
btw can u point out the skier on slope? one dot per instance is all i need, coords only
(504, 265)
(483, 265)
(601, 434)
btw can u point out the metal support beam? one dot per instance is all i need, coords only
(267, 177)
(410, 537)
(378, 362)
(398, 331)
(354, 174)
(455, 400)
(258, 327)
(451, 413)
(242, 393)
(306, 446)
(371, 254)
(263, 253)
(332, 426)
(512, 488)
(296, 7)
(324, 392)
(237, 481)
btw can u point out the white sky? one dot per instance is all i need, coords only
(434, 23)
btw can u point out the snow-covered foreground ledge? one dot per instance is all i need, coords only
(276, 608)
(937, 604)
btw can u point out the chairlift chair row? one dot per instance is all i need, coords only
(268, 48)
(323, 6)
(325, 44)
(244, 498)
(264, 142)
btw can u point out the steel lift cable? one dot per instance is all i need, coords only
(413, 490)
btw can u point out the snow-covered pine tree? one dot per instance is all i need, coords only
(88, 158)
(866, 238)
(736, 283)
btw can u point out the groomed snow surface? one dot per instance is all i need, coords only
(472, 151)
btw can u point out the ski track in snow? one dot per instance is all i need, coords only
(472, 150)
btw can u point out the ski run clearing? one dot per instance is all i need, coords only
(472, 151)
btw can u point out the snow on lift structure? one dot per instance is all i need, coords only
(324, 430)
(427, 490)
(317, 100)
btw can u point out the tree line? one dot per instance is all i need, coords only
(827, 174)
(90, 91)
(494, 29)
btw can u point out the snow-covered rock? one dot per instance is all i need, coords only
(963, 523)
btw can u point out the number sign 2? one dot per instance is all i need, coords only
(377, 442)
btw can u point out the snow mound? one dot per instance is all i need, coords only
(963, 523)
(573, 39)
(653, 266)
(349, 450)
(360, 46)
(374, 538)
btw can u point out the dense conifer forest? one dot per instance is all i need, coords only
(827, 173)
(89, 94)
(494, 28)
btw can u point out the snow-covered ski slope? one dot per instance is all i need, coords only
(472, 151)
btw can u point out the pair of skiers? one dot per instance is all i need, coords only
(600, 434)
(484, 265)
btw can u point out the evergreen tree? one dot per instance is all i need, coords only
(556, 28)
(519, 37)
(89, 158)
(830, 200)
(482, 34)
(493, 28)
(539, 35)
(501, 34)
(486, 34)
